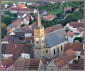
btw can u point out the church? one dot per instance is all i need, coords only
(49, 45)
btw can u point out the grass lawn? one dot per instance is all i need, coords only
(60, 10)
(6, 2)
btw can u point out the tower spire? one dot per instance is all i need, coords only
(38, 19)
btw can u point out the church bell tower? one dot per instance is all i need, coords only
(39, 37)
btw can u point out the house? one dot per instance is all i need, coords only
(74, 25)
(68, 9)
(21, 15)
(22, 10)
(29, 64)
(26, 29)
(76, 47)
(29, 3)
(69, 56)
(22, 5)
(61, 2)
(29, 39)
(53, 28)
(56, 63)
(26, 19)
(11, 4)
(8, 63)
(70, 37)
(81, 31)
(14, 26)
(17, 23)
(10, 28)
(35, 4)
(41, 12)
(13, 50)
(81, 20)
(27, 51)
(49, 17)
(77, 9)
(77, 65)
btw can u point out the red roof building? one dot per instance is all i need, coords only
(70, 34)
(49, 17)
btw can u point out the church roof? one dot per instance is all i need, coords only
(56, 37)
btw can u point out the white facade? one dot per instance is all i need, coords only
(25, 21)
(71, 27)
(70, 40)
(4, 42)
(25, 55)
(28, 34)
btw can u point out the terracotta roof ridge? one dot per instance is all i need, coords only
(54, 31)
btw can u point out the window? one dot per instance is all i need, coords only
(61, 47)
(37, 52)
(43, 51)
(46, 51)
(58, 50)
(42, 41)
(54, 51)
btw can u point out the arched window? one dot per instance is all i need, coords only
(58, 50)
(46, 51)
(54, 51)
(61, 48)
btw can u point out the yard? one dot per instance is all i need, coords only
(6, 2)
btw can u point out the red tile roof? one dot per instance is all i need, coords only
(65, 67)
(53, 28)
(20, 9)
(69, 55)
(22, 5)
(7, 62)
(33, 25)
(79, 66)
(77, 9)
(27, 18)
(29, 39)
(34, 64)
(5, 39)
(59, 61)
(80, 29)
(36, 4)
(67, 8)
(8, 28)
(81, 20)
(70, 34)
(49, 17)
(76, 24)
(14, 49)
(27, 64)
(17, 22)
(26, 29)
(74, 46)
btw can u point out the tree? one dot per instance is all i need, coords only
(31, 21)
(3, 30)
